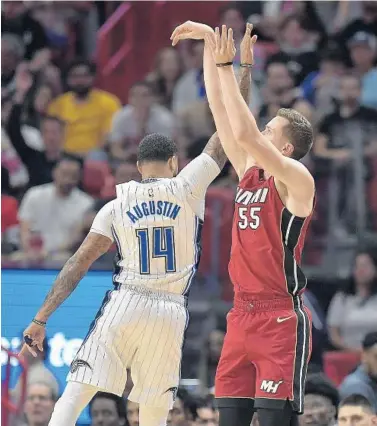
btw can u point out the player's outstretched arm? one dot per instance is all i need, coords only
(94, 246)
(195, 30)
(291, 173)
(233, 151)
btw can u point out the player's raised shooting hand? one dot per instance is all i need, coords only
(247, 46)
(190, 30)
(34, 336)
(222, 46)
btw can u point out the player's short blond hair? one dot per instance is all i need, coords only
(299, 132)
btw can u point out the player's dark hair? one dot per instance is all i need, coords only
(156, 147)
(356, 400)
(119, 403)
(319, 384)
(299, 132)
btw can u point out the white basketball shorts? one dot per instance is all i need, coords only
(139, 329)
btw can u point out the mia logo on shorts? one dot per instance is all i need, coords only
(270, 386)
(79, 363)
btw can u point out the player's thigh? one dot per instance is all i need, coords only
(104, 356)
(235, 375)
(93, 349)
(156, 365)
(283, 352)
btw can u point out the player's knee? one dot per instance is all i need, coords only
(152, 416)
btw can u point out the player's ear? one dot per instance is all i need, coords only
(288, 149)
(173, 164)
(138, 165)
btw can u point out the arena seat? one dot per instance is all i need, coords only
(338, 364)
(108, 190)
(94, 177)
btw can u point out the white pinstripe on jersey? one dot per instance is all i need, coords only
(156, 226)
(135, 232)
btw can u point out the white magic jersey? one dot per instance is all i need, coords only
(156, 225)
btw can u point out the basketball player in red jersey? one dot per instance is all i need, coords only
(268, 343)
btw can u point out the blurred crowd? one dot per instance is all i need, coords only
(323, 406)
(66, 143)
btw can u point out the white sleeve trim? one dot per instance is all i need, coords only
(104, 234)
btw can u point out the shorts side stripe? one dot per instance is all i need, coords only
(301, 356)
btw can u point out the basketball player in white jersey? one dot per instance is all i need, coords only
(156, 227)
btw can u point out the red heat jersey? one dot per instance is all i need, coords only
(267, 241)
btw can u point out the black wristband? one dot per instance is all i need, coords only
(225, 64)
(41, 323)
(246, 65)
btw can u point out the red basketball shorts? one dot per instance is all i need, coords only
(265, 354)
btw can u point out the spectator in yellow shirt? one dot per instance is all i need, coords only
(87, 112)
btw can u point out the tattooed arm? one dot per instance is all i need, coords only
(97, 242)
(245, 83)
(94, 246)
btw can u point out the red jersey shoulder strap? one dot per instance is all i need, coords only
(253, 176)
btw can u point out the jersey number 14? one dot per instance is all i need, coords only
(162, 246)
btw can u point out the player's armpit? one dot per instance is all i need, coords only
(299, 182)
(94, 246)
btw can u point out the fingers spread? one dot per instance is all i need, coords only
(23, 350)
(230, 41)
(223, 39)
(32, 351)
(217, 39)
(249, 28)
